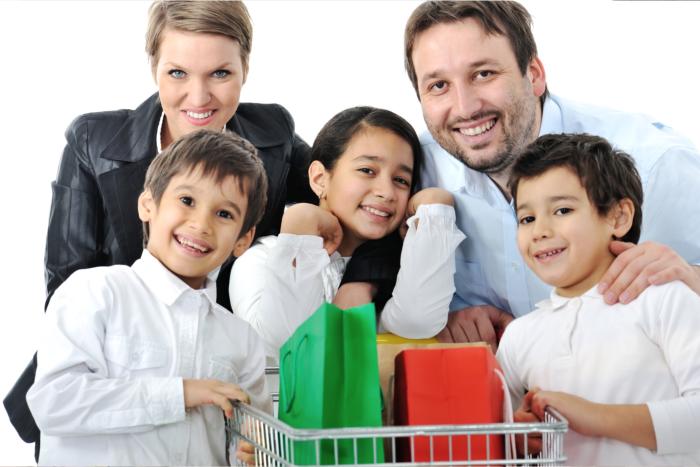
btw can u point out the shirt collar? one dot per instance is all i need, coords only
(159, 133)
(165, 285)
(556, 302)
(552, 122)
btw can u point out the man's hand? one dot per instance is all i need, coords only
(213, 392)
(309, 219)
(639, 266)
(482, 323)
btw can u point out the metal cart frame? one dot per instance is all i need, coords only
(273, 440)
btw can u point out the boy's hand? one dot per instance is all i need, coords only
(583, 415)
(213, 392)
(309, 219)
(524, 414)
(245, 452)
(639, 266)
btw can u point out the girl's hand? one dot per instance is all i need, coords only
(213, 392)
(309, 219)
(429, 196)
(425, 196)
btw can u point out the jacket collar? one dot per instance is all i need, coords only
(136, 139)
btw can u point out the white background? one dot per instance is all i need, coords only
(61, 59)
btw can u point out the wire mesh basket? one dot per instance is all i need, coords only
(275, 443)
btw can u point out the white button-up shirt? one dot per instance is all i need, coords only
(646, 352)
(281, 281)
(117, 343)
(490, 269)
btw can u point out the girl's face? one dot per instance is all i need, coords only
(199, 79)
(369, 187)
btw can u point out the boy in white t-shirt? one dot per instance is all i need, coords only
(627, 377)
(137, 363)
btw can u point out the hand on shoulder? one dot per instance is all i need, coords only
(309, 219)
(636, 267)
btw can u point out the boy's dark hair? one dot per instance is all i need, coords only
(504, 18)
(219, 155)
(333, 139)
(608, 175)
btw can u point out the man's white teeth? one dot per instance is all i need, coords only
(199, 115)
(477, 130)
(186, 242)
(376, 212)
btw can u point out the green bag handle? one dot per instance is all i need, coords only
(290, 400)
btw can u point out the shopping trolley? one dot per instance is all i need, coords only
(274, 440)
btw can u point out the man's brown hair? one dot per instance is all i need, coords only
(504, 18)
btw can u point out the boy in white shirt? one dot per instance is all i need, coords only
(137, 363)
(627, 377)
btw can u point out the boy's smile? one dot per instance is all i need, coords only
(196, 225)
(561, 235)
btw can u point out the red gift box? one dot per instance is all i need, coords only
(452, 386)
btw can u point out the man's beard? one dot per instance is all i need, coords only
(515, 140)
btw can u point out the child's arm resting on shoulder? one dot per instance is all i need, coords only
(629, 423)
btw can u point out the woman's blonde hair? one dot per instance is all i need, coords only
(227, 18)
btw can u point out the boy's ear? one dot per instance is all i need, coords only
(318, 178)
(243, 243)
(621, 217)
(146, 206)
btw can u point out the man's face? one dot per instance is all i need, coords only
(476, 103)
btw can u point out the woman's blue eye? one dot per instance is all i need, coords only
(186, 200)
(177, 74)
(221, 73)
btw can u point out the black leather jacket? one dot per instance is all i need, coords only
(94, 220)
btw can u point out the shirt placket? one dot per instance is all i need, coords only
(187, 319)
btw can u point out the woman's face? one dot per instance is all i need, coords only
(369, 186)
(199, 79)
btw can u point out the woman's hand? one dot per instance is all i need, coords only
(309, 219)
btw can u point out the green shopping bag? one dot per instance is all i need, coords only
(329, 378)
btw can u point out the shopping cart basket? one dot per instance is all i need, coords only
(273, 440)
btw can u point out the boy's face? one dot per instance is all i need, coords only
(561, 236)
(196, 225)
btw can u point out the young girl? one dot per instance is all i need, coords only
(363, 170)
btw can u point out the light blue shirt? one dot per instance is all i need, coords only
(490, 269)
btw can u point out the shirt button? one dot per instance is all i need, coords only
(514, 265)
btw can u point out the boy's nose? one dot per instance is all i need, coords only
(200, 222)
